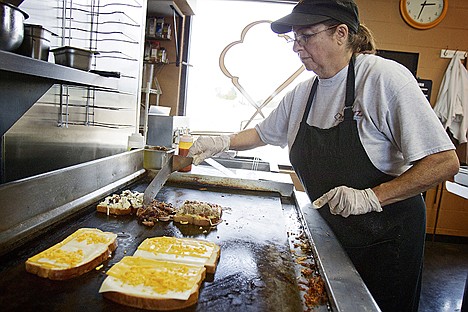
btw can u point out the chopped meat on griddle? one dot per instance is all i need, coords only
(155, 211)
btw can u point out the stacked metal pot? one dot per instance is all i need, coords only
(18, 37)
(11, 26)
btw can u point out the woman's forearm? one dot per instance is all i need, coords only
(424, 174)
(245, 140)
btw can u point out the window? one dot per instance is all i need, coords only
(257, 64)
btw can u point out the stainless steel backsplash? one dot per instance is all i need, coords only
(70, 125)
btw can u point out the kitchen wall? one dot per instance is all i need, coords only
(392, 33)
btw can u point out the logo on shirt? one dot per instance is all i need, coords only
(340, 116)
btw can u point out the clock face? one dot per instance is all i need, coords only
(423, 14)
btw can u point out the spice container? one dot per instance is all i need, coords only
(162, 56)
(185, 142)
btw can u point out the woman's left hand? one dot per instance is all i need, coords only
(347, 201)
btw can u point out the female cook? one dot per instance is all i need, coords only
(364, 142)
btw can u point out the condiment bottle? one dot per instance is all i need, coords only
(185, 141)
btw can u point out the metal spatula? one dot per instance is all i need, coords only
(173, 163)
(219, 167)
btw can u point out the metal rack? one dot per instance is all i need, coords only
(150, 86)
(85, 24)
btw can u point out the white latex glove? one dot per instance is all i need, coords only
(207, 146)
(347, 201)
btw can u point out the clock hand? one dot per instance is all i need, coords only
(422, 8)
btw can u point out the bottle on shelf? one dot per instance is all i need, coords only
(158, 28)
(162, 56)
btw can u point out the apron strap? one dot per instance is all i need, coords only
(349, 100)
(310, 100)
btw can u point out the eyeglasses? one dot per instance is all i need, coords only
(302, 39)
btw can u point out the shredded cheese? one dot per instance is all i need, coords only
(80, 247)
(153, 277)
(178, 246)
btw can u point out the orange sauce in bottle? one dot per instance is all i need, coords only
(185, 142)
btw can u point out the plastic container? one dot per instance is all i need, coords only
(135, 141)
(148, 74)
(185, 142)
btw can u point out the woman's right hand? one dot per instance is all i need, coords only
(208, 146)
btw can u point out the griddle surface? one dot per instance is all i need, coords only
(255, 270)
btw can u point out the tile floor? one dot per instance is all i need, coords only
(444, 276)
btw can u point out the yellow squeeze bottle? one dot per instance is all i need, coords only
(185, 142)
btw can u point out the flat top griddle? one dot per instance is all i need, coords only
(255, 272)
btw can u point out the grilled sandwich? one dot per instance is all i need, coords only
(199, 213)
(77, 254)
(127, 202)
(153, 284)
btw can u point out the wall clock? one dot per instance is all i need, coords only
(423, 14)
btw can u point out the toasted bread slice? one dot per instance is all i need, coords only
(77, 254)
(127, 202)
(195, 220)
(152, 284)
(199, 213)
(183, 250)
(119, 211)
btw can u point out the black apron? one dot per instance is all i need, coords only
(385, 247)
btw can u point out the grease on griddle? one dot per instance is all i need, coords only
(310, 283)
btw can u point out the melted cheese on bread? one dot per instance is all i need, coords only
(176, 249)
(80, 247)
(150, 278)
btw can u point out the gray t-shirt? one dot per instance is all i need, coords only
(396, 123)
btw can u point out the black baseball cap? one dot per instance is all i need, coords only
(309, 12)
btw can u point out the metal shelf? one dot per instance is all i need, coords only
(14, 63)
(166, 7)
(157, 38)
(23, 80)
(151, 91)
